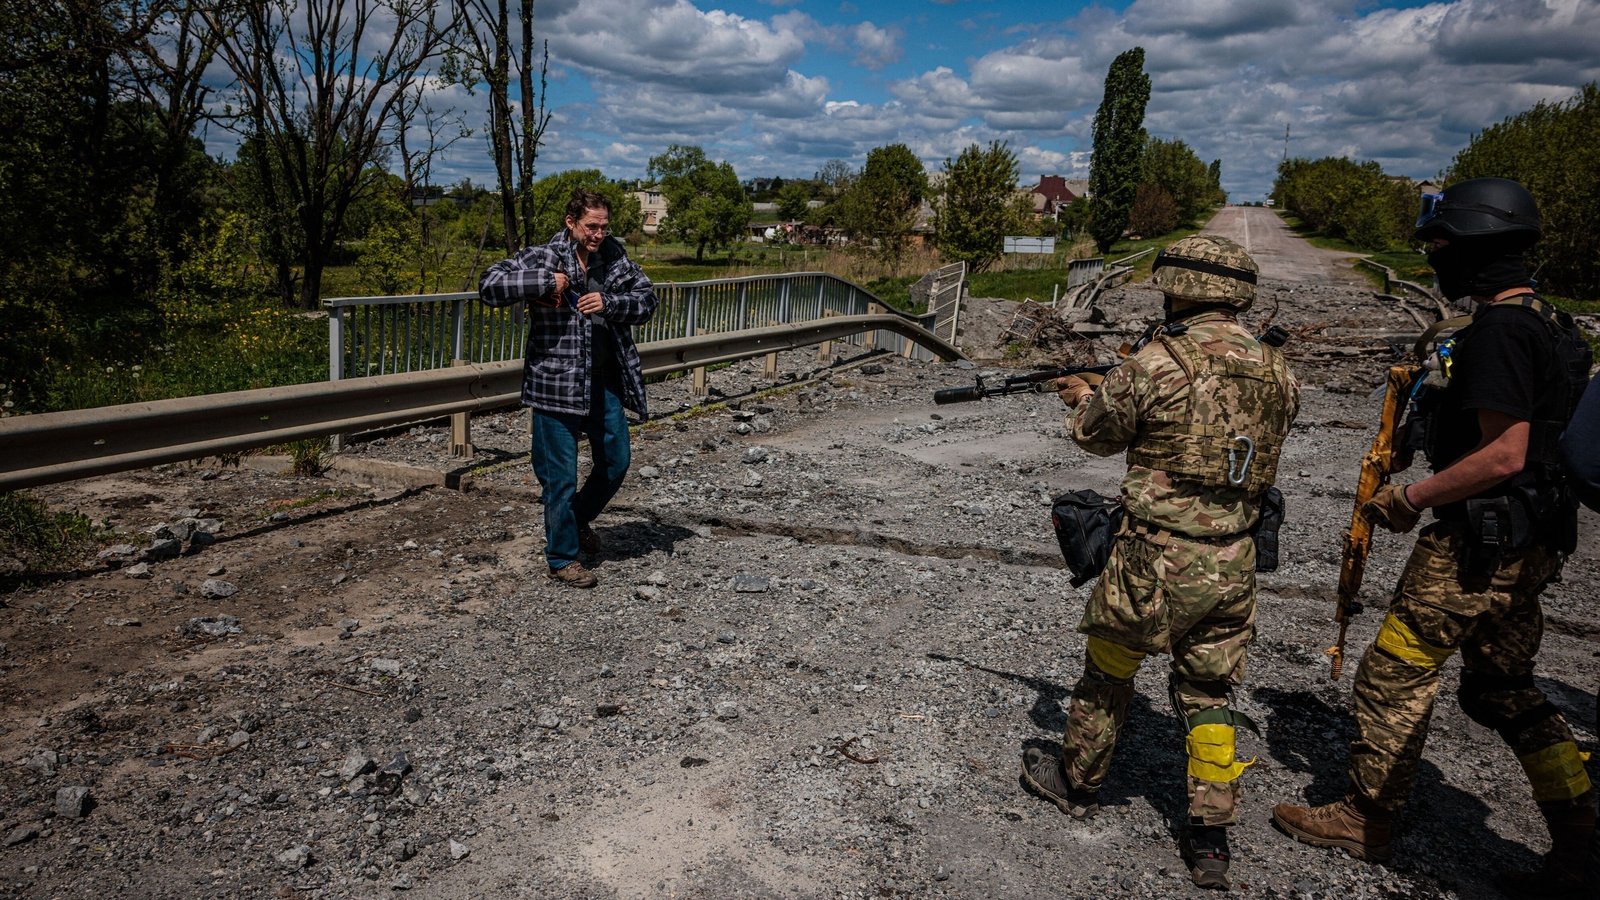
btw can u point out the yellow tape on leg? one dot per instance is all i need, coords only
(1399, 641)
(1114, 659)
(1556, 772)
(1211, 754)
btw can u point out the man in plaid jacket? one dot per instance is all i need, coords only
(584, 295)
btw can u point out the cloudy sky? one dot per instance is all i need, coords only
(778, 87)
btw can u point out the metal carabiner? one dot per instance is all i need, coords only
(1233, 455)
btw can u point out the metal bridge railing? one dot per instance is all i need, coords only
(385, 335)
(50, 447)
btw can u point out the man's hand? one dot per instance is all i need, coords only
(591, 303)
(1391, 509)
(555, 297)
(1074, 389)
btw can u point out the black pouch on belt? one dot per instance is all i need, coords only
(1086, 524)
(1497, 525)
(1265, 533)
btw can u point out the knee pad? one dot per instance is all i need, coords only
(1113, 660)
(1178, 687)
(1473, 694)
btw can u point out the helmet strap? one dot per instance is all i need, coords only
(1205, 266)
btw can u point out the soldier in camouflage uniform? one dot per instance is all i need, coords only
(1489, 418)
(1202, 410)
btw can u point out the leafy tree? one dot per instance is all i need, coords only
(100, 193)
(1119, 138)
(1214, 179)
(1553, 149)
(706, 205)
(1074, 219)
(387, 256)
(977, 205)
(550, 196)
(1346, 199)
(1179, 173)
(879, 208)
(794, 201)
(1154, 212)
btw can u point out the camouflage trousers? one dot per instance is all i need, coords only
(1194, 599)
(1442, 605)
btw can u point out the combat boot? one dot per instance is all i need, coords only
(1042, 771)
(1573, 847)
(1205, 852)
(1355, 824)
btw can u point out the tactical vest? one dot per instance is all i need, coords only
(1230, 431)
(1566, 376)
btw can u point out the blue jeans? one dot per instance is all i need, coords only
(555, 462)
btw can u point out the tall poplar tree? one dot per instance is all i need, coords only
(1119, 139)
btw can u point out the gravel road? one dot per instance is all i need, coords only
(830, 619)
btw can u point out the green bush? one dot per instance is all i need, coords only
(1553, 149)
(35, 539)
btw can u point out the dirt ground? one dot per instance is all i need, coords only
(831, 617)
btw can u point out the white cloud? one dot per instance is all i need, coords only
(776, 91)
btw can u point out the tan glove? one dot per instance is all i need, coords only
(1074, 389)
(1391, 509)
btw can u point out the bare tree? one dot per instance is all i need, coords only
(320, 83)
(439, 131)
(485, 54)
(169, 46)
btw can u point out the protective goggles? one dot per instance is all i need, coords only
(1431, 206)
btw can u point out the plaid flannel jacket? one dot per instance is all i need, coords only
(555, 376)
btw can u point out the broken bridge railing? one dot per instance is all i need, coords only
(384, 335)
(45, 448)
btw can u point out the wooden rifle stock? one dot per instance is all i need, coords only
(1376, 467)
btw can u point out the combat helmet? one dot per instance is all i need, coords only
(1481, 208)
(1207, 269)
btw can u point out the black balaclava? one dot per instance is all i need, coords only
(1479, 267)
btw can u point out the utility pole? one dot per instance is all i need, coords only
(1285, 142)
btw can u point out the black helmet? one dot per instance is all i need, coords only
(1480, 207)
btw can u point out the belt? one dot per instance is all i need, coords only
(1161, 537)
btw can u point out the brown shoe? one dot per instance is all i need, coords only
(1355, 825)
(588, 541)
(1042, 772)
(573, 574)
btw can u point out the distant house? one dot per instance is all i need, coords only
(1425, 186)
(652, 209)
(1051, 196)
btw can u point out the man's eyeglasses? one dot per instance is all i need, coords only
(589, 228)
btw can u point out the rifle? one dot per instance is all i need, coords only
(1018, 384)
(1376, 467)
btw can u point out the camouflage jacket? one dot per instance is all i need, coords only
(1114, 418)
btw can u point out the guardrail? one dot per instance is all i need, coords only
(383, 335)
(1391, 279)
(50, 447)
